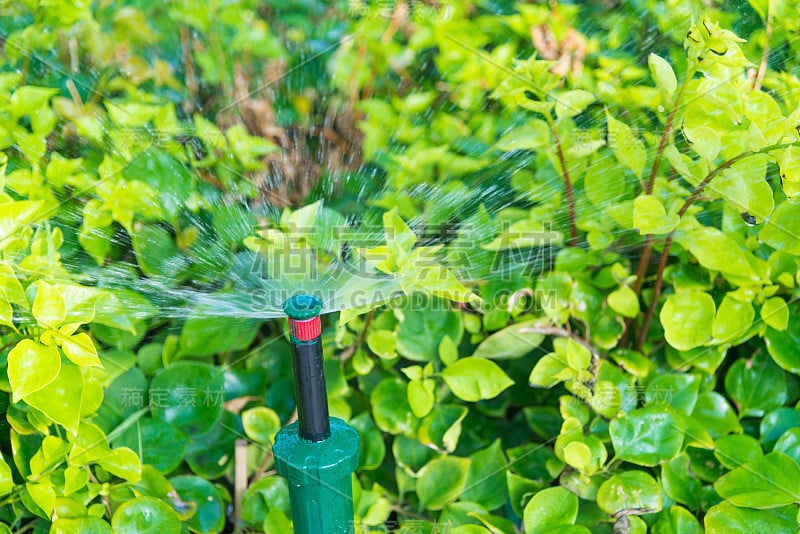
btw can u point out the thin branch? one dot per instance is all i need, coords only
(667, 133)
(573, 232)
(762, 67)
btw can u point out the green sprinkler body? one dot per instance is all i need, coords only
(317, 454)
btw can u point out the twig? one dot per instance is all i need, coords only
(762, 67)
(573, 232)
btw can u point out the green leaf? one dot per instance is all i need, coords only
(441, 429)
(164, 174)
(6, 479)
(647, 436)
(627, 147)
(423, 329)
(662, 74)
(550, 370)
(781, 231)
(571, 103)
(511, 342)
(473, 379)
(373, 449)
(733, 320)
(604, 182)
(767, 482)
(531, 136)
(210, 514)
(687, 318)
(145, 515)
(157, 254)
(704, 140)
(383, 343)
(757, 385)
(677, 520)
(14, 216)
(724, 518)
(32, 366)
(48, 306)
(261, 424)
(736, 449)
(83, 525)
(206, 336)
(441, 481)
(680, 483)
(714, 413)
(784, 346)
(632, 492)
(61, 399)
(122, 462)
(775, 313)
(486, 481)
(789, 444)
(80, 349)
(188, 395)
(716, 251)
(421, 396)
(549, 509)
(650, 217)
(624, 301)
(158, 443)
(578, 455)
(448, 351)
(390, 407)
(578, 357)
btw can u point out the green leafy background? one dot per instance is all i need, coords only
(557, 242)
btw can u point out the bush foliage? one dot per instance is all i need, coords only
(589, 208)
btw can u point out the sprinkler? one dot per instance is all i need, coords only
(317, 454)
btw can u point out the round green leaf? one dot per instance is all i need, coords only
(757, 385)
(390, 407)
(158, 443)
(422, 330)
(210, 514)
(650, 217)
(775, 313)
(261, 424)
(83, 525)
(473, 379)
(782, 228)
(733, 319)
(647, 436)
(145, 515)
(188, 395)
(549, 509)
(634, 492)
(61, 399)
(441, 481)
(766, 482)
(724, 518)
(736, 449)
(687, 318)
(784, 346)
(511, 342)
(624, 301)
(486, 481)
(31, 366)
(714, 413)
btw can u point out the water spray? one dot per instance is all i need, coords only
(317, 454)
